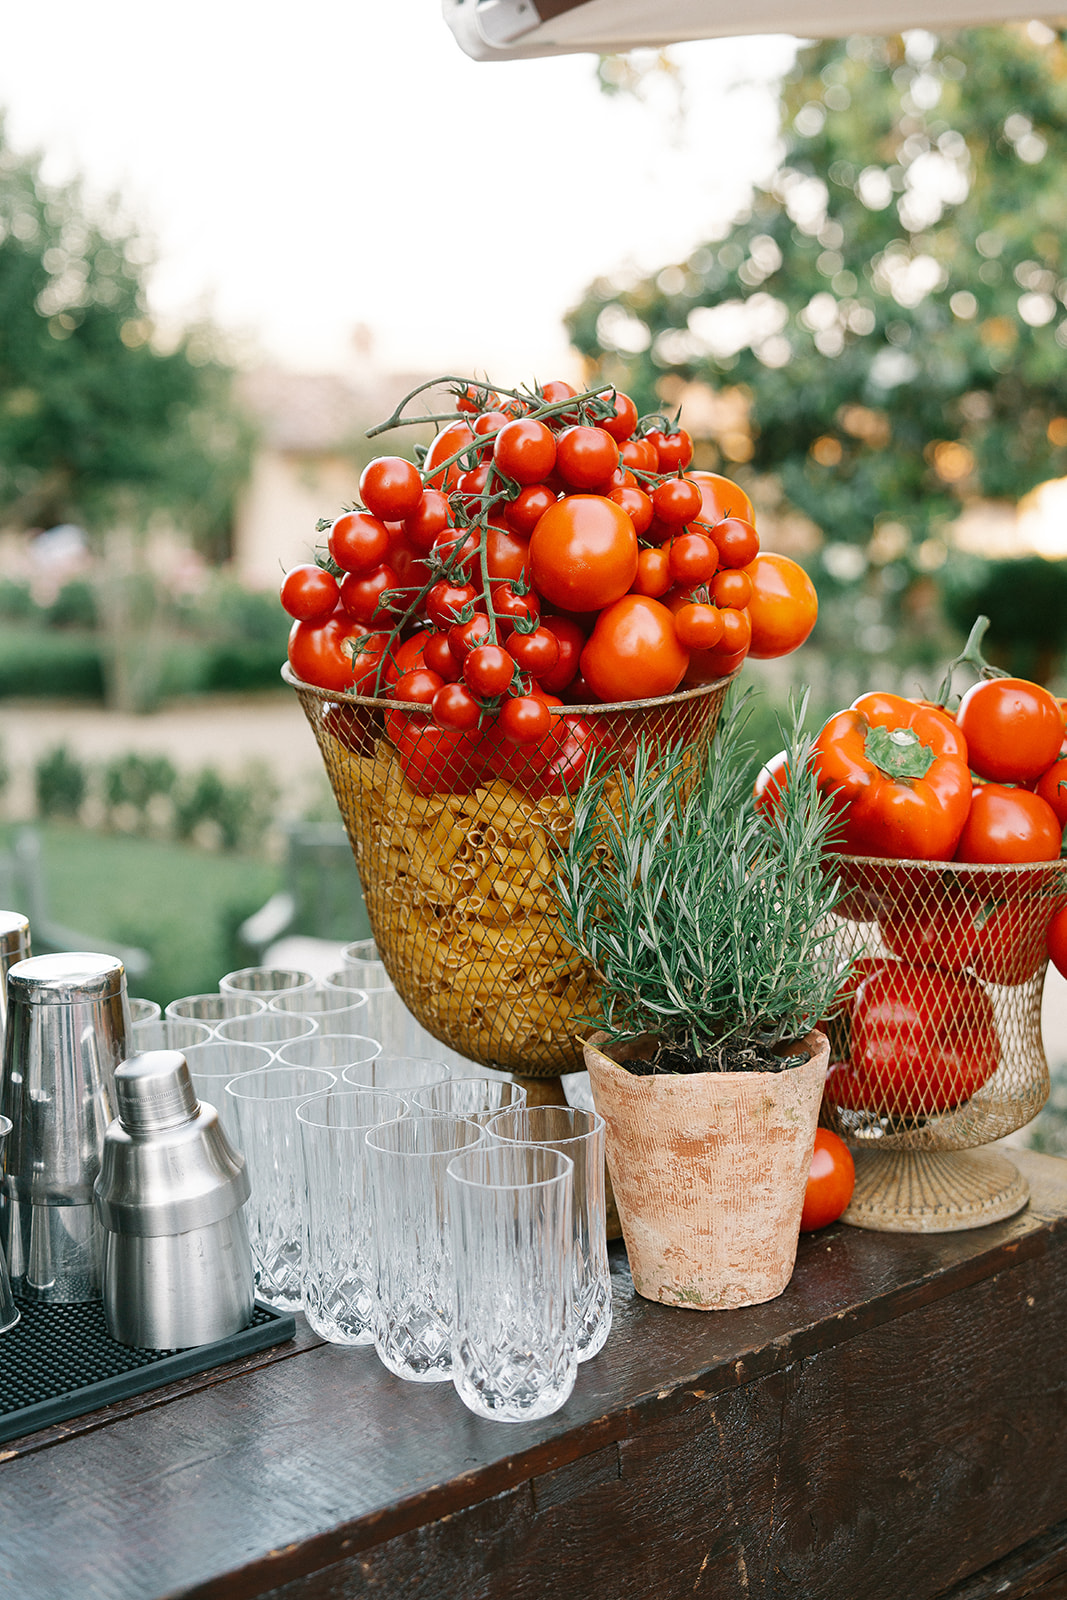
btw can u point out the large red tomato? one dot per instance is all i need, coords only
(1007, 824)
(583, 553)
(972, 920)
(438, 760)
(634, 653)
(783, 606)
(922, 1041)
(317, 654)
(1013, 729)
(1057, 941)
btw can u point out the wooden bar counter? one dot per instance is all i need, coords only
(894, 1427)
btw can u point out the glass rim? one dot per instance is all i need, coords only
(294, 994)
(360, 1062)
(429, 1116)
(305, 980)
(567, 1171)
(214, 994)
(260, 1072)
(598, 1125)
(349, 1092)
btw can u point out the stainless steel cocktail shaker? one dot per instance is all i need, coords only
(170, 1196)
(9, 1311)
(14, 946)
(67, 1023)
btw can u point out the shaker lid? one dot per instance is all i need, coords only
(68, 979)
(153, 1089)
(14, 935)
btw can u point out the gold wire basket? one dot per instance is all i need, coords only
(458, 884)
(937, 1049)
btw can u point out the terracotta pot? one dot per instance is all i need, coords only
(709, 1171)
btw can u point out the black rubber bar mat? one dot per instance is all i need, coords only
(59, 1362)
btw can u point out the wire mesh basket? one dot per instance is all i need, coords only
(457, 858)
(937, 1047)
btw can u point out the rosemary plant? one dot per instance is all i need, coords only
(706, 920)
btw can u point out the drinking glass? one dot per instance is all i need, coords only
(265, 981)
(333, 1011)
(477, 1099)
(215, 1008)
(334, 1051)
(414, 1283)
(363, 962)
(213, 1063)
(143, 1010)
(264, 1104)
(338, 1271)
(387, 1017)
(168, 1033)
(579, 1135)
(513, 1348)
(400, 1075)
(272, 1028)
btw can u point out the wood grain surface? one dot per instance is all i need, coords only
(889, 1427)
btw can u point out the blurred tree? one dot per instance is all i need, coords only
(101, 422)
(891, 307)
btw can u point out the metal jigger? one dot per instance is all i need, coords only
(67, 1023)
(9, 1311)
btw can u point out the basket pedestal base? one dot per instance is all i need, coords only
(910, 1191)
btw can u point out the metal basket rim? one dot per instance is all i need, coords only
(1007, 868)
(598, 707)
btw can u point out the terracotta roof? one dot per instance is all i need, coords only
(312, 412)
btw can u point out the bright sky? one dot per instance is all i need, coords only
(307, 168)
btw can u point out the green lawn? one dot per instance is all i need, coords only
(180, 904)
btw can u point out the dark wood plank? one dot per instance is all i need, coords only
(1037, 1570)
(312, 1466)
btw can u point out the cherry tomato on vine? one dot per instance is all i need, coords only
(404, 657)
(524, 719)
(736, 541)
(636, 504)
(455, 437)
(673, 450)
(736, 631)
(536, 653)
(437, 760)
(783, 607)
(490, 423)
(488, 670)
(390, 488)
(639, 454)
(506, 554)
(693, 558)
(555, 391)
(470, 486)
(1053, 789)
(634, 652)
(1057, 942)
(361, 596)
(676, 501)
(528, 507)
(358, 542)
(731, 587)
(1013, 729)
(446, 600)
(570, 637)
(317, 654)
(525, 451)
(653, 573)
(1007, 824)
(309, 593)
(417, 687)
(474, 400)
(459, 548)
(455, 707)
(510, 606)
(437, 656)
(831, 1181)
(623, 423)
(699, 627)
(463, 637)
(583, 553)
(586, 457)
(428, 521)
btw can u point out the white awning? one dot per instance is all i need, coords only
(511, 30)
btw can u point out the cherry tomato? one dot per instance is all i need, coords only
(524, 719)
(309, 593)
(636, 504)
(736, 631)
(437, 760)
(830, 1182)
(536, 652)
(693, 558)
(412, 570)
(361, 596)
(488, 670)
(731, 588)
(653, 573)
(404, 657)
(699, 627)
(736, 541)
(673, 450)
(1009, 825)
(583, 553)
(511, 606)
(428, 521)
(455, 707)
(586, 457)
(922, 1041)
(446, 600)
(463, 637)
(490, 423)
(417, 687)
(721, 498)
(472, 399)
(1052, 788)
(634, 652)
(448, 441)
(525, 451)
(528, 507)
(470, 487)
(506, 554)
(676, 501)
(555, 391)
(1013, 729)
(358, 542)
(318, 654)
(390, 488)
(352, 726)
(1056, 940)
(640, 455)
(783, 607)
(708, 666)
(437, 656)
(623, 423)
(570, 637)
